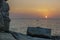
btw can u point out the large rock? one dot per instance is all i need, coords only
(20, 36)
(6, 36)
(1, 22)
(5, 14)
(39, 32)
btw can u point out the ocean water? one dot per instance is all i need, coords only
(20, 25)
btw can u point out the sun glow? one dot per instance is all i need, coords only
(46, 16)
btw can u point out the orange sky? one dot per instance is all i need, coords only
(50, 8)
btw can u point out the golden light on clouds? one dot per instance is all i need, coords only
(40, 7)
(44, 11)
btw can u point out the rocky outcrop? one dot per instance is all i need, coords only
(20, 36)
(1, 17)
(4, 16)
(39, 32)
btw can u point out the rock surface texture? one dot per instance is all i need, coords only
(6, 36)
(39, 32)
(20, 36)
(4, 15)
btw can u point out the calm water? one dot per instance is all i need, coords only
(20, 25)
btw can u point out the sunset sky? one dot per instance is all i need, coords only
(35, 8)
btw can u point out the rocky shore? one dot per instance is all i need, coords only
(19, 36)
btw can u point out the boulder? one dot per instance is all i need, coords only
(20, 36)
(4, 16)
(39, 32)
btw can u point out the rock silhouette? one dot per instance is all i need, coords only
(4, 18)
(39, 32)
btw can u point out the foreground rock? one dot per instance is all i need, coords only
(39, 32)
(55, 37)
(6, 36)
(20, 36)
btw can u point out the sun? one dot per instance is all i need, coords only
(46, 16)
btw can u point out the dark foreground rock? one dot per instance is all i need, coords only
(39, 32)
(6, 36)
(55, 37)
(20, 36)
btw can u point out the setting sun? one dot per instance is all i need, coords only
(46, 16)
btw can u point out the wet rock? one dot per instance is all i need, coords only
(39, 32)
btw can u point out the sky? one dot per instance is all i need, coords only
(35, 8)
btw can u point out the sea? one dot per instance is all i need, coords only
(21, 24)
